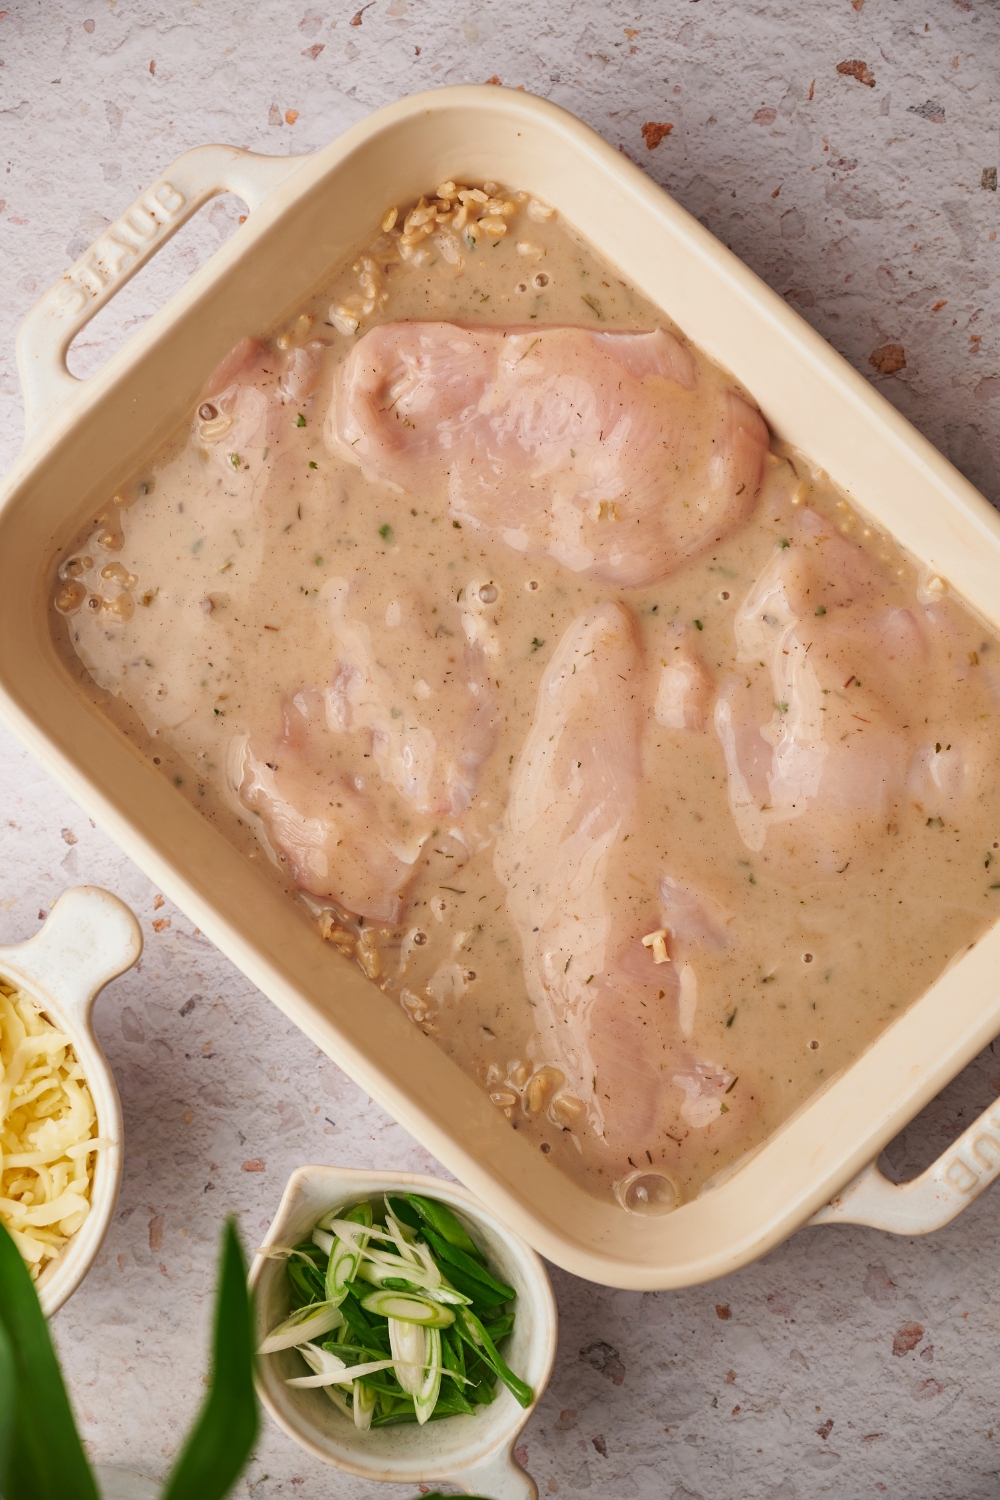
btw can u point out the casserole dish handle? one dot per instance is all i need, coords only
(931, 1200)
(499, 1475)
(121, 250)
(90, 938)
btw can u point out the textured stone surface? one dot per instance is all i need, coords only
(842, 150)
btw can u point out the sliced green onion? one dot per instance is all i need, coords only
(408, 1342)
(472, 1330)
(425, 1399)
(345, 1257)
(443, 1221)
(402, 1308)
(364, 1405)
(339, 1400)
(378, 1267)
(321, 1361)
(448, 1295)
(410, 1290)
(342, 1376)
(453, 1256)
(407, 1250)
(318, 1358)
(305, 1324)
(372, 1274)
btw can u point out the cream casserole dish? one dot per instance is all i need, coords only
(307, 216)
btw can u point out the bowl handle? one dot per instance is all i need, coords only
(500, 1477)
(121, 250)
(90, 938)
(931, 1200)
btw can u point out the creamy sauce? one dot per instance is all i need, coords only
(651, 860)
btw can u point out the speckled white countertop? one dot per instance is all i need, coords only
(847, 1363)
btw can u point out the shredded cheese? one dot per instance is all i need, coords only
(47, 1132)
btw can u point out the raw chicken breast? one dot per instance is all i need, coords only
(250, 403)
(349, 789)
(822, 745)
(606, 1003)
(413, 692)
(684, 688)
(328, 831)
(617, 454)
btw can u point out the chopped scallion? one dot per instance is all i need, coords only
(392, 1300)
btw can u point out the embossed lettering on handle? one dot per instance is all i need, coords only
(931, 1200)
(140, 227)
(119, 252)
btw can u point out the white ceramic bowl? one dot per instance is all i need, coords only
(475, 1452)
(89, 938)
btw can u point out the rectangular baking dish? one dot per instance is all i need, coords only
(308, 215)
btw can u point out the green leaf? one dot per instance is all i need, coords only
(45, 1455)
(219, 1446)
(8, 1397)
(441, 1219)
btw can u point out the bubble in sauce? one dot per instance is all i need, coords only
(645, 1192)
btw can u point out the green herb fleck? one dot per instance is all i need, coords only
(536, 644)
(821, 610)
(313, 464)
(457, 525)
(732, 1018)
(318, 560)
(698, 625)
(300, 420)
(784, 542)
(234, 459)
(385, 532)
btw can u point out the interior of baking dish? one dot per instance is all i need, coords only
(812, 399)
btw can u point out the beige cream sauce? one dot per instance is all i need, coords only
(211, 576)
